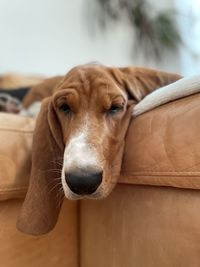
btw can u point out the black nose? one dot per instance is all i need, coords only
(83, 182)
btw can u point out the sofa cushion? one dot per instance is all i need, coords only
(57, 249)
(15, 154)
(163, 146)
(15, 80)
(141, 226)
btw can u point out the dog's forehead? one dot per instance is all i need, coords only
(89, 79)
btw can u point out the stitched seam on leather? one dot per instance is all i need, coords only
(168, 173)
(13, 189)
(16, 130)
(4, 196)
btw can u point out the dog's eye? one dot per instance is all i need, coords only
(65, 108)
(114, 109)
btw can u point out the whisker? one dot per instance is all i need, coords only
(57, 160)
(60, 163)
(55, 180)
(60, 196)
(55, 186)
(52, 170)
(60, 202)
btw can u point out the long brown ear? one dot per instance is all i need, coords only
(40, 91)
(139, 82)
(44, 197)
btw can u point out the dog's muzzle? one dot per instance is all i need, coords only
(83, 182)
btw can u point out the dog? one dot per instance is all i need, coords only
(12, 80)
(10, 100)
(13, 88)
(80, 134)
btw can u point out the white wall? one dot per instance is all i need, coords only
(50, 36)
(190, 28)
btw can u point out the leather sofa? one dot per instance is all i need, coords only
(152, 217)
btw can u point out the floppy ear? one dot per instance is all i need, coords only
(42, 204)
(139, 82)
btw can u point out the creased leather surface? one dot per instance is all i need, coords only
(15, 154)
(141, 226)
(57, 249)
(163, 146)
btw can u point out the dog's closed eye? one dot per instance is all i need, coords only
(65, 108)
(114, 109)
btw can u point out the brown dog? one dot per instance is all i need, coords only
(80, 134)
(11, 81)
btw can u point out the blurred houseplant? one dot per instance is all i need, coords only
(154, 31)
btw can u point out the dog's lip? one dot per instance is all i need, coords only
(74, 196)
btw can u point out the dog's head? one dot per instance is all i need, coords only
(79, 138)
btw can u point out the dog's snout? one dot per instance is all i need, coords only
(83, 182)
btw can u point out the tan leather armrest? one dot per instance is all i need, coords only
(163, 146)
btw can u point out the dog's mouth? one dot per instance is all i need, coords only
(73, 196)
